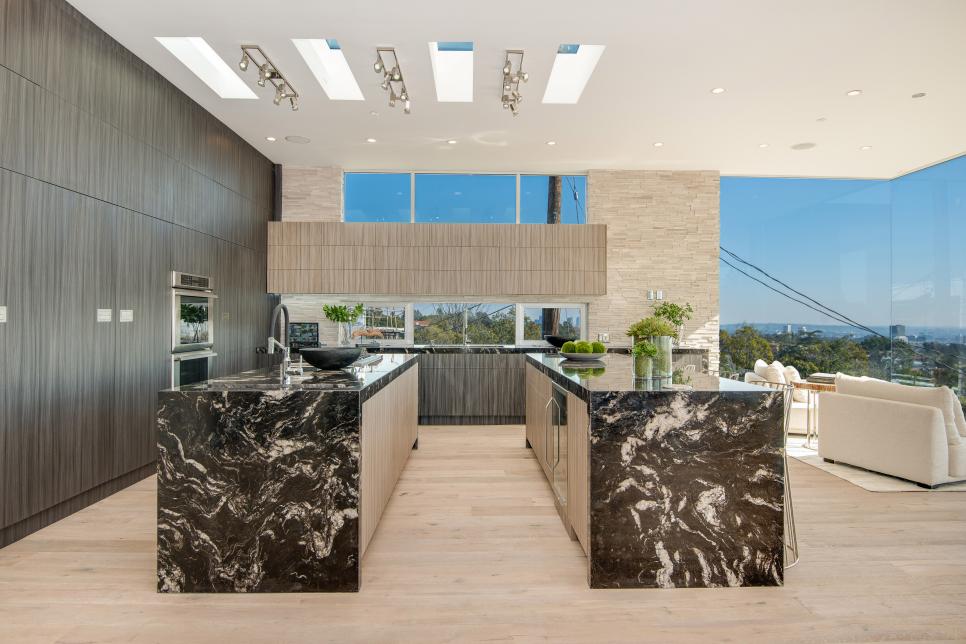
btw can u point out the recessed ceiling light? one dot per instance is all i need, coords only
(865, 148)
(452, 71)
(803, 146)
(373, 113)
(551, 143)
(821, 119)
(718, 90)
(270, 139)
(658, 144)
(853, 92)
(198, 56)
(762, 145)
(572, 68)
(370, 140)
(300, 140)
(919, 95)
(452, 141)
(329, 66)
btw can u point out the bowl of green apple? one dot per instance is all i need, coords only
(583, 351)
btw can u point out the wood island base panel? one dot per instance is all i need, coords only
(260, 486)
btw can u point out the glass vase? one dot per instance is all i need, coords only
(664, 360)
(643, 367)
(345, 334)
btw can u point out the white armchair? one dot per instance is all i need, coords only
(777, 375)
(909, 432)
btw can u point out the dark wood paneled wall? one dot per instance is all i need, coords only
(471, 389)
(110, 178)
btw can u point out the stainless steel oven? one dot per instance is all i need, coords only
(191, 367)
(192, 328)
(192, 313)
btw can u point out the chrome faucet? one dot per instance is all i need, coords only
(280, 315)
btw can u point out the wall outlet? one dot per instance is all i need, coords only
(3, 315)
(125, 315)
(603, 337)
(104, 315)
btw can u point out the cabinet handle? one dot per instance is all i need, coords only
(546, 431)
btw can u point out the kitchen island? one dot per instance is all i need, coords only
(265, 487)
(663, 485)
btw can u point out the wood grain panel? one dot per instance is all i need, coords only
(437, 259)
(122, 179)
(538, 395)
(389, 430)
(578, 469)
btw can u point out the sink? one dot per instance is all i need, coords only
(331, 358)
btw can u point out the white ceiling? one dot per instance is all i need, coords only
(784, 65)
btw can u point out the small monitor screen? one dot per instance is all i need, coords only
(303, 334)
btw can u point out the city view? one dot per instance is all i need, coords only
(863, 277)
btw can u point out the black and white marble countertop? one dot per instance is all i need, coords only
(614, 373)
(367, 379)
(494, 349)
(500, 349)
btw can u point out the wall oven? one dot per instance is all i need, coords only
(192, 328)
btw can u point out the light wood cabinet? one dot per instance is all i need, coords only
(578, 469)
(575, 454)
(538, 397)
(389, 431)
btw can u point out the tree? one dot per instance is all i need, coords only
(744, 347)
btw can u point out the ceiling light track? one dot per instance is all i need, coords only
(387, 64)
(513, 74)
(269, 73)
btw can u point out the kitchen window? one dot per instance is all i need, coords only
(463, 323)
(536, 321)
(383, 323)
(553, 199)
(377, 197)
(462, 198)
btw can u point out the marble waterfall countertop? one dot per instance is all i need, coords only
(258, 483)
(367, 379)
(686, 483)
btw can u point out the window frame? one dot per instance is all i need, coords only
(412, 190)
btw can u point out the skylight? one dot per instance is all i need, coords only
(572, 68)
(328, 64)
(198, 56)
(453, 71)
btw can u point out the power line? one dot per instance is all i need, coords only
(825, 310)
(573, 190)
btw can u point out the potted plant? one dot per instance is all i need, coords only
(644, 353)
(676, 315)
(660, 333)
(342, 315)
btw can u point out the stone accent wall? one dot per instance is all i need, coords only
(311, 194)
(662, 234)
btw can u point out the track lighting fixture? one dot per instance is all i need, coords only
(392, 78)
(268, 73)
(512, 98)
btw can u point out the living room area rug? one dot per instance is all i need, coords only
(871, 481)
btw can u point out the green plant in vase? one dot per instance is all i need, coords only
(344, 316)
(644, 353)
(651, 327)
(675, 314)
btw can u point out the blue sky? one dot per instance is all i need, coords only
(881, 252)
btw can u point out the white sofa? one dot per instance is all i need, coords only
(914, 433)
(776, 374)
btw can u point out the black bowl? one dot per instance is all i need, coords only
(557, 341)
(331, 358)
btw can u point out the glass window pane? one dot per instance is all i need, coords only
(466, 198)
(450, 323)
(376, 197)
(568, 207)
(491, 323)
(539, 322)
(381, 322)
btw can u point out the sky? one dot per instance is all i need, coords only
(881, 252)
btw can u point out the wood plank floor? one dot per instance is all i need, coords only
(470, 549)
